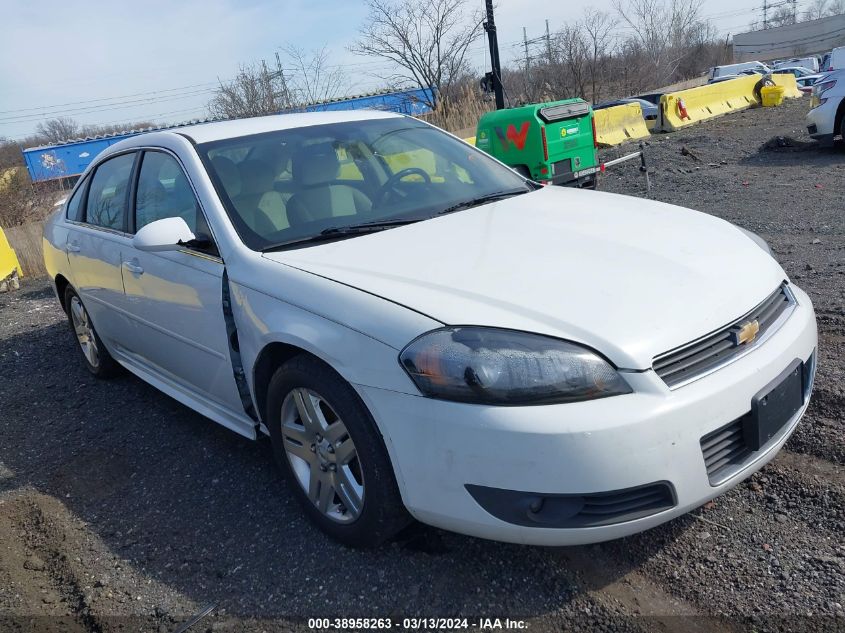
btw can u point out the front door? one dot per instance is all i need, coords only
(175, 298)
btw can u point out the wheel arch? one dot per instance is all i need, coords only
(62, 284)
(269, 359)
(840, 116)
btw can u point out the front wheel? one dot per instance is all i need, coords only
(334, 457)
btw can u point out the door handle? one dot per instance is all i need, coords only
(133, 268)
(72, 248)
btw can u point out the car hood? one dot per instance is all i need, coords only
(629, 277)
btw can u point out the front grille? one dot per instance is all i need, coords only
(724, 447)
(697, 358)
(625, 505)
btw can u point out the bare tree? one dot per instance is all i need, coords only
(312, 79)
(782, 16)
(574, 53)
(427, 41)
(58, 130)
(598, 28)
(253, 92)
(818, 9)
(662, 31)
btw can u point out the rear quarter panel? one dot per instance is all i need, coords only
(53, 242)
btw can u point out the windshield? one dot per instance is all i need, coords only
(283, 188)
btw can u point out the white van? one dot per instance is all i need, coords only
(810, 63)
(834, 60)
(735, 69)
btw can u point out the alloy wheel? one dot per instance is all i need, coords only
(322, 455)
(84, 332)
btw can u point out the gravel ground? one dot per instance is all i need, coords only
(123, 510)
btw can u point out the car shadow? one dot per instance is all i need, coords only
(786, 150)
(204, 511)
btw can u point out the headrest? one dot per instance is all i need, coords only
(316, 165)
(228, 173)
(256, 176)
(277, 156)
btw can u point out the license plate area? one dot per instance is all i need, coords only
(774, 406)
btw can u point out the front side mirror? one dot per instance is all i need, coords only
(168, 234)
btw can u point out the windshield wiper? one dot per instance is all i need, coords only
(366, 227)
(336, 232)
(490, 197)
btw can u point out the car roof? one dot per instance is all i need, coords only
(219, 130)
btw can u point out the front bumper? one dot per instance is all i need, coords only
(821, 120)
(439, 448)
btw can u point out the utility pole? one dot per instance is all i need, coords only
(496, 75)
(283, 82)
(765, 14)
(548, 43)
(525, 43)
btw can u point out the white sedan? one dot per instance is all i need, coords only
(425, 334)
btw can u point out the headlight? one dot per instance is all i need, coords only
(505, 367)
(759, 241)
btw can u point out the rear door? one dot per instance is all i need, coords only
(175, 298)
(97, 234)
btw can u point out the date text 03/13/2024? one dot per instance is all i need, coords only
(416, 624)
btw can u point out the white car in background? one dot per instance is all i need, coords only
(805, 84)
(810, 64)
(424, 333)
(734, 70)
(826, 118)
(795, 71)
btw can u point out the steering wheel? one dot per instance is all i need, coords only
(394, 180)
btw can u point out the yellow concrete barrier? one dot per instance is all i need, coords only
(789, 84)
(8, 259)
(687, 107)
(619, 124)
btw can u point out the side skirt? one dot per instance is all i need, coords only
(232, 420)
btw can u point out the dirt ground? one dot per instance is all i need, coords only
(123, 510)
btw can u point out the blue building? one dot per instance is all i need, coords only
(69, 159)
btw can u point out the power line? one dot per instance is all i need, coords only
(137, 94)
(99, 108)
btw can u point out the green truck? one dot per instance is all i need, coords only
(552, 143)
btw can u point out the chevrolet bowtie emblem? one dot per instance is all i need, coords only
(745, 333)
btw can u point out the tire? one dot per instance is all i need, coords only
(332, 454)
(97, 359)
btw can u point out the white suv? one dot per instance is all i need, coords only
(826, 117)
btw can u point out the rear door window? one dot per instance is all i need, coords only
(75, 209)
(108, 194)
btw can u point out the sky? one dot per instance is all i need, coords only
(112, 62)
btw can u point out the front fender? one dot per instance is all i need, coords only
(361, 359)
